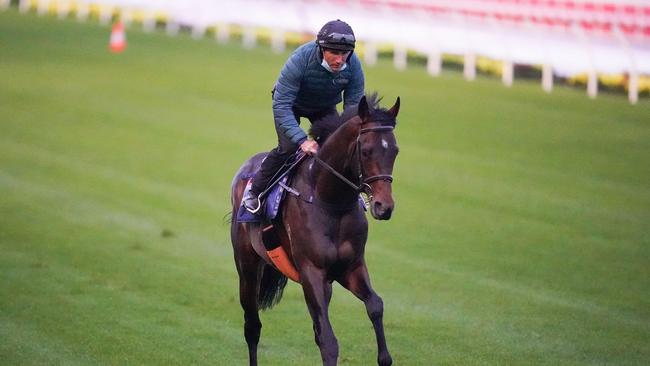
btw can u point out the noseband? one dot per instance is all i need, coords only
(364, 182)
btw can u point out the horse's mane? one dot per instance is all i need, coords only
(322, 128)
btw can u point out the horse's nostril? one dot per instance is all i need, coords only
(389, 212)
(378, 206)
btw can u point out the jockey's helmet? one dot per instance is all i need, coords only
(336, 34)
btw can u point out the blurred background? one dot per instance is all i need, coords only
(522, 187)
(588, 42)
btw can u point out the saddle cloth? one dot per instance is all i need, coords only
(270, 204)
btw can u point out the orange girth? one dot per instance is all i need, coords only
(283, 263)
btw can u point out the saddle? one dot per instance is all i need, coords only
(273, 195)
(270, 203)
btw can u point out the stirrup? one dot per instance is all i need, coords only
(249, 205)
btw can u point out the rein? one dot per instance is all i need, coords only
(364, 183)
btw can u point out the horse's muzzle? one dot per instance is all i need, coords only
(381, 210)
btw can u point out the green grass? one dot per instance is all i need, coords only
(520, 237)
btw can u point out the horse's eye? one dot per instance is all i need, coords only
(366, 152)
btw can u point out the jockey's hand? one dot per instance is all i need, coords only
(309, 147)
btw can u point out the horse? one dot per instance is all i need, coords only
(322, 226)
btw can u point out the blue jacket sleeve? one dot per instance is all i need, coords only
(355, 89)
(286, 92)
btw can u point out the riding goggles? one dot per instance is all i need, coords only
(340, 38)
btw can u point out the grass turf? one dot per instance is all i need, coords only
(520, 235)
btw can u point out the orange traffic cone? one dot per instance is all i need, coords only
(118, 38)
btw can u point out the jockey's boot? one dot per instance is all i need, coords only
(270, 166)
(252, 201)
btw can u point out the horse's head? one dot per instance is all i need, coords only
(376, 151)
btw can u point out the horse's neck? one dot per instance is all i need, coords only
(337, 152)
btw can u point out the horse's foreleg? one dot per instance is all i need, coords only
(358, 282)
(318, 292)
(248, 298)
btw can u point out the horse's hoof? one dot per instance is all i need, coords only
(385, 361)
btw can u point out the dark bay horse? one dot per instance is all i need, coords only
(324, 228)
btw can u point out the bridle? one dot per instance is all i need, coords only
(364, 182)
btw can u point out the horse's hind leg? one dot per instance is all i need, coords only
(248, 267)
(358, 282)
(252, 323)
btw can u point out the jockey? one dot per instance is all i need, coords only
(315, 78)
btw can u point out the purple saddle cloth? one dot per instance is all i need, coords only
(271, 204)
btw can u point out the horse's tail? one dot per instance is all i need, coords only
(227, 218)
(271, 287)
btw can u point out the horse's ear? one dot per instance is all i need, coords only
(363, 108)
(395, 109)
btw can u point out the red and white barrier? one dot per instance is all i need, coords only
(564, 37)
